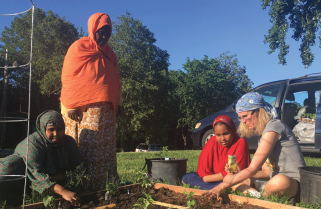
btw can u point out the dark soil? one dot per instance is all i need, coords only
(124, 200)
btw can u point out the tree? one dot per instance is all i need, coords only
(207, 86)
(143, 69)
(52, 37)
(304, 17)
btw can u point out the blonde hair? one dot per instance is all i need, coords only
(263, 118)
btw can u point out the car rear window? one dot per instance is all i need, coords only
(142, 146)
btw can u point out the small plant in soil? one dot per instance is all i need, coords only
(144, 203)
(278, 198)
(75, 180)
(189, 186)
(111, 188)
(309, 206)
(49, 201)
(144, 180)
(190, 202)
(34, 196)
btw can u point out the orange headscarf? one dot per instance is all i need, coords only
(88, 76)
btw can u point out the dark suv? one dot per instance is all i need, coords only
(298, 105)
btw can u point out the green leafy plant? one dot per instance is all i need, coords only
(49, 201)
(75, 179)
(309, 206)
(112, 184)
(189, 197)
(186, 185)
(189, 186)
(144, 202)
(309, 115)
(34, 196)
(144, 179)
(164, 151)
(111, 188)
(4, 205)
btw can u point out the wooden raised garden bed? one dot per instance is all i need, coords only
(165, 196)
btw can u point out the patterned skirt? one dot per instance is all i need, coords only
(96, 138)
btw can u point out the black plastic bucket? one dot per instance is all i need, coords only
(310, 183)
(168, 171)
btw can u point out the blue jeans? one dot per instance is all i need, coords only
(195, 180)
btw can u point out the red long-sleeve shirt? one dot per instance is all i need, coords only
(214, 156)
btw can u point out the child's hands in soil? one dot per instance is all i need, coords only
(238, 168)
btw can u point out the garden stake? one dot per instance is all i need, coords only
(106, 196)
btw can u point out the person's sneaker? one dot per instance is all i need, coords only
(255, 193)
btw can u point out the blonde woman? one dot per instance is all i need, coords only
(277, 157)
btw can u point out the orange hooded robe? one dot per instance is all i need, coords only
(88, 76)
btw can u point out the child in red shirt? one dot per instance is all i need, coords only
(214, 156)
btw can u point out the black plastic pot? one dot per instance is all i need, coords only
(310, 183)
(168, 171)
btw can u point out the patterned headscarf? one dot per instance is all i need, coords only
(48, 117)
(229, 122)
(252, 101)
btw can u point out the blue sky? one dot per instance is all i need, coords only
(187, 28)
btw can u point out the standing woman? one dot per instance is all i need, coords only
(91, 97)
(278, 153)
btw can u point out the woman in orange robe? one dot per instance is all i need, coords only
(90, 98)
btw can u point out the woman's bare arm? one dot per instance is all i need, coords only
(263, 151)
(67, 195)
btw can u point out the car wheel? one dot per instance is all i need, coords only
(208, 134)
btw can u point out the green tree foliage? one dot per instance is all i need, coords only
(52, 37)
(143, 70)
(304, 16)
(207, 86)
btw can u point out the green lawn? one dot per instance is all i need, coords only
(129, 164)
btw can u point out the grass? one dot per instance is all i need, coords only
(129, 164)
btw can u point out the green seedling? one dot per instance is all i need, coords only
(186, 185)
(189, 197)
(111, 188)
(144, 203)
(4, 205)
(75, 180)
(163, 152)
(144, 179)
(49, 201)
(309, 206)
